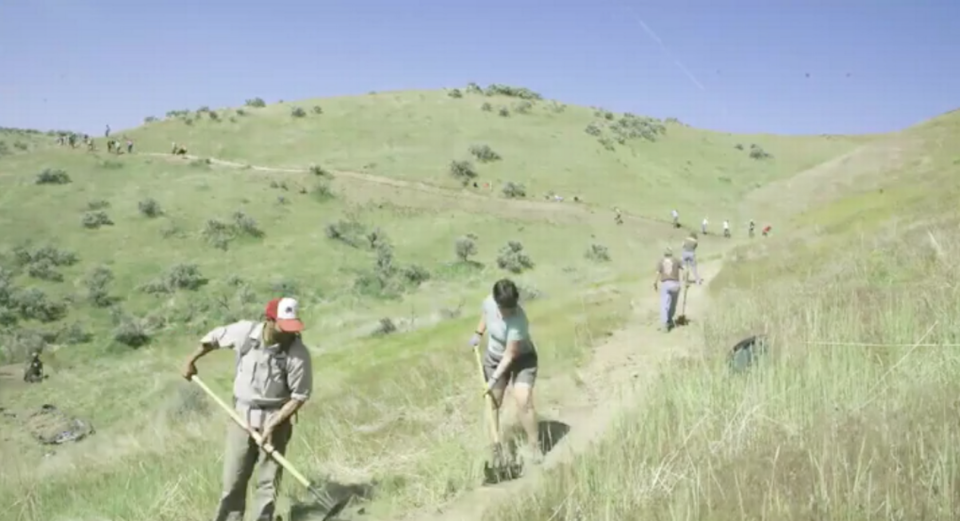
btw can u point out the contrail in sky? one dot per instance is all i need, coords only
(646, 28)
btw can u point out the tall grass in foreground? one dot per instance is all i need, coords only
(853, 416)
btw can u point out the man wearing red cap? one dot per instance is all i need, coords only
(273, 380)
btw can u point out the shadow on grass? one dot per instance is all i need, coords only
(331, 493)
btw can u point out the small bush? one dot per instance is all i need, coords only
(179, 277)
(52, 176)
(98, 204)
(149, 207)
(486, 107)
(513, 92)
(256, 103)
(349, 232)
(523, 107)
(758, 153)
(213, 115)
(43, 269)
(484, 153)
(322, 192)
(241, 112)
(593, 129)
(94, 220)
(97, 283)
(414, 274)
(598, 253)
(473, 88)
(738, 146)
(455, 93)
(247, 225)
(514, 190)
(377, 238)
(319, 171)
(606, 143)
(317, 109)
(464, 248)
(298, 112)
(463, 171)
(33, 304)
(513, 259)
(384, 327)
(131, 332)
(504, 112)
(110, 164)
(23, 256)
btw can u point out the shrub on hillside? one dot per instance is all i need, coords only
(220, 234)
(462, 171)
(319, 171)
(33, 304)
(377, 238)
(486, 107)
(247, 225)
(606, 143)
(94, 220)
(98, 204)
(513, 92)
(23, 256)
(298, 112)
(131, 331)
(317, 109)
(513, 259)
(593, 129)
(504, 112)
(473, 88)
(349, 232)
(43, 269)
(384, 327)
(52, 176)
(4, 149)
(523, 107)
(149, 207)
(97, 283)
(179, 277)
(738, 146)
(455, 93)
(484, 153)
(758, 153)
(322, 192)
(241, 112)
(464, 248)
(256, 103)
(149, 119)
(213, 115)
(514, 190)
(598, 253)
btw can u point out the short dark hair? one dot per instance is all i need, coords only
(506, 294)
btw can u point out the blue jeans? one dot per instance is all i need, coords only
(669, 295)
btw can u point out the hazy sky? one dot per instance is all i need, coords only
(873, 65)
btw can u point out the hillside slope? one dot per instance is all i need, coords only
(640, 164)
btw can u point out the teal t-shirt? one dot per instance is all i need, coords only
(501, 331)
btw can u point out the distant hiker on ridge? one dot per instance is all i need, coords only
(676, 218)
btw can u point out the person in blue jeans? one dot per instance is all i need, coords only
(689, 255)
(667, 282)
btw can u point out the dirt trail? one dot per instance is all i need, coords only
(613, 381)
(457, 197)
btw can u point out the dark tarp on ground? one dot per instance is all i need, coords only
(746, 352)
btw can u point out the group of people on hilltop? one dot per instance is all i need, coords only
(113, 145)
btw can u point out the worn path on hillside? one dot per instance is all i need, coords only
(613, 381)
(459, 198)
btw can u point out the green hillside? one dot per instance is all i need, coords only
(114, 265)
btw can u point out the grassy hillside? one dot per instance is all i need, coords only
(642, 164)
(853, 413)
(115, 264)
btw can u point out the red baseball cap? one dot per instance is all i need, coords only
(283, 311)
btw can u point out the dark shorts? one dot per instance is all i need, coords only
(522, 370)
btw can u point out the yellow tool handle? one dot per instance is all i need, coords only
(489, 401)
(272, 452)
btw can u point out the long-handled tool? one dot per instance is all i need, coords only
(499, 467)
(332, 510)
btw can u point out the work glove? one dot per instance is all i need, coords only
(474, 340)
(489, 388)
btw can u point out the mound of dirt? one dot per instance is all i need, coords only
(51, 426)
